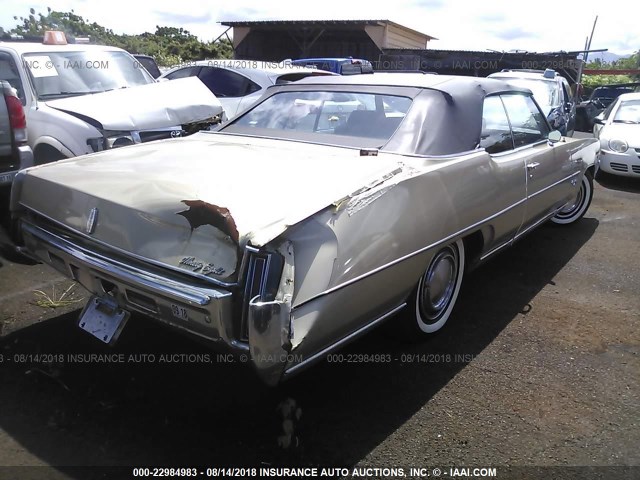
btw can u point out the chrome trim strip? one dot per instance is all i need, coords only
(125, 253)
(409, 255)
(496, 249)
(522, 232)
(532, 226)
(448, 156)
(516, 150)
(348, 147)
(244, 262)
(248, 294)
(127, 273)
(549, 187)
(440, 242)
(295, 140)
(343, 341)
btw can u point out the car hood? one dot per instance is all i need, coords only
(201, 199)
(623, 131)
(156, 105)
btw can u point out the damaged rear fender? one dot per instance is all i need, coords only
(269, 320)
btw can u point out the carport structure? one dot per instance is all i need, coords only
(282, 39)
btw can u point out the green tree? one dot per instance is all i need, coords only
(630, 63)
(169, 45)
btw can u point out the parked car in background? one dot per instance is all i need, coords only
(341, 66)
(618, 129)
(300, 225)
(238, 84)
(85, 98)
(15, 153)
(600, 98)
(552, 93)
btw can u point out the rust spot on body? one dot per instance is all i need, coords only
(203, 213)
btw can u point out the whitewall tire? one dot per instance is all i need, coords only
(432, 301)
(576, 209)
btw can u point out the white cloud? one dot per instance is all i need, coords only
(545, 25)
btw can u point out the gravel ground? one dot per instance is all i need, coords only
(539, 370)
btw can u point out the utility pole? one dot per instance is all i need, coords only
(584, 60)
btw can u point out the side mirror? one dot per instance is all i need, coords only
(598, 120)
(554, 136)
(568, 107)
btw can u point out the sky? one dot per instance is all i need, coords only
(539, 26)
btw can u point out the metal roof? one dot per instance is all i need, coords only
(250, 23)
(479, 52)
(319, 23)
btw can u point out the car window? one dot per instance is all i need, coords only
(362, 115)
(9, 72)
(183, 73)
(149, 64)
(294, 77)
(566, 93)
(546, 92)
(224, 83)
(68, 73)
(609, 92)
(528, 125)
(628, 112)
(607, 111)
(496, 133)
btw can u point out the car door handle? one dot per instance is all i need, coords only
(532, 165)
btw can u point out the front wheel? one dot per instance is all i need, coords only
(576, 209)
(432, 301)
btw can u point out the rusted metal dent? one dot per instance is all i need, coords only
(203, 213)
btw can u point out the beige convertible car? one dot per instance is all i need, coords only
(333, 204)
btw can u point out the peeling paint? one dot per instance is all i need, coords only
(371, 185)
(366, 195)
(203, 213)
(362, 201)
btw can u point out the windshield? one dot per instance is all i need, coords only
(628, 112)
(314, 115)
(60, 74)
(545, 92)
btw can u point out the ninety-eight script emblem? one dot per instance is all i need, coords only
(204, 268)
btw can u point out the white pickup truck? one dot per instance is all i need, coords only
(81, 98)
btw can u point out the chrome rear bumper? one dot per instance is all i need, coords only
(202, 311)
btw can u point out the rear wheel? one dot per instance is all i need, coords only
(576, 209)
(46, 154)
(432, 301)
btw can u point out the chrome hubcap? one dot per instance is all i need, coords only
(569, 209)
(439, 284)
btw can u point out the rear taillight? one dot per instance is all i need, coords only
(16, 113)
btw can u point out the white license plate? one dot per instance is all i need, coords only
(7, 177)
(103, 319)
